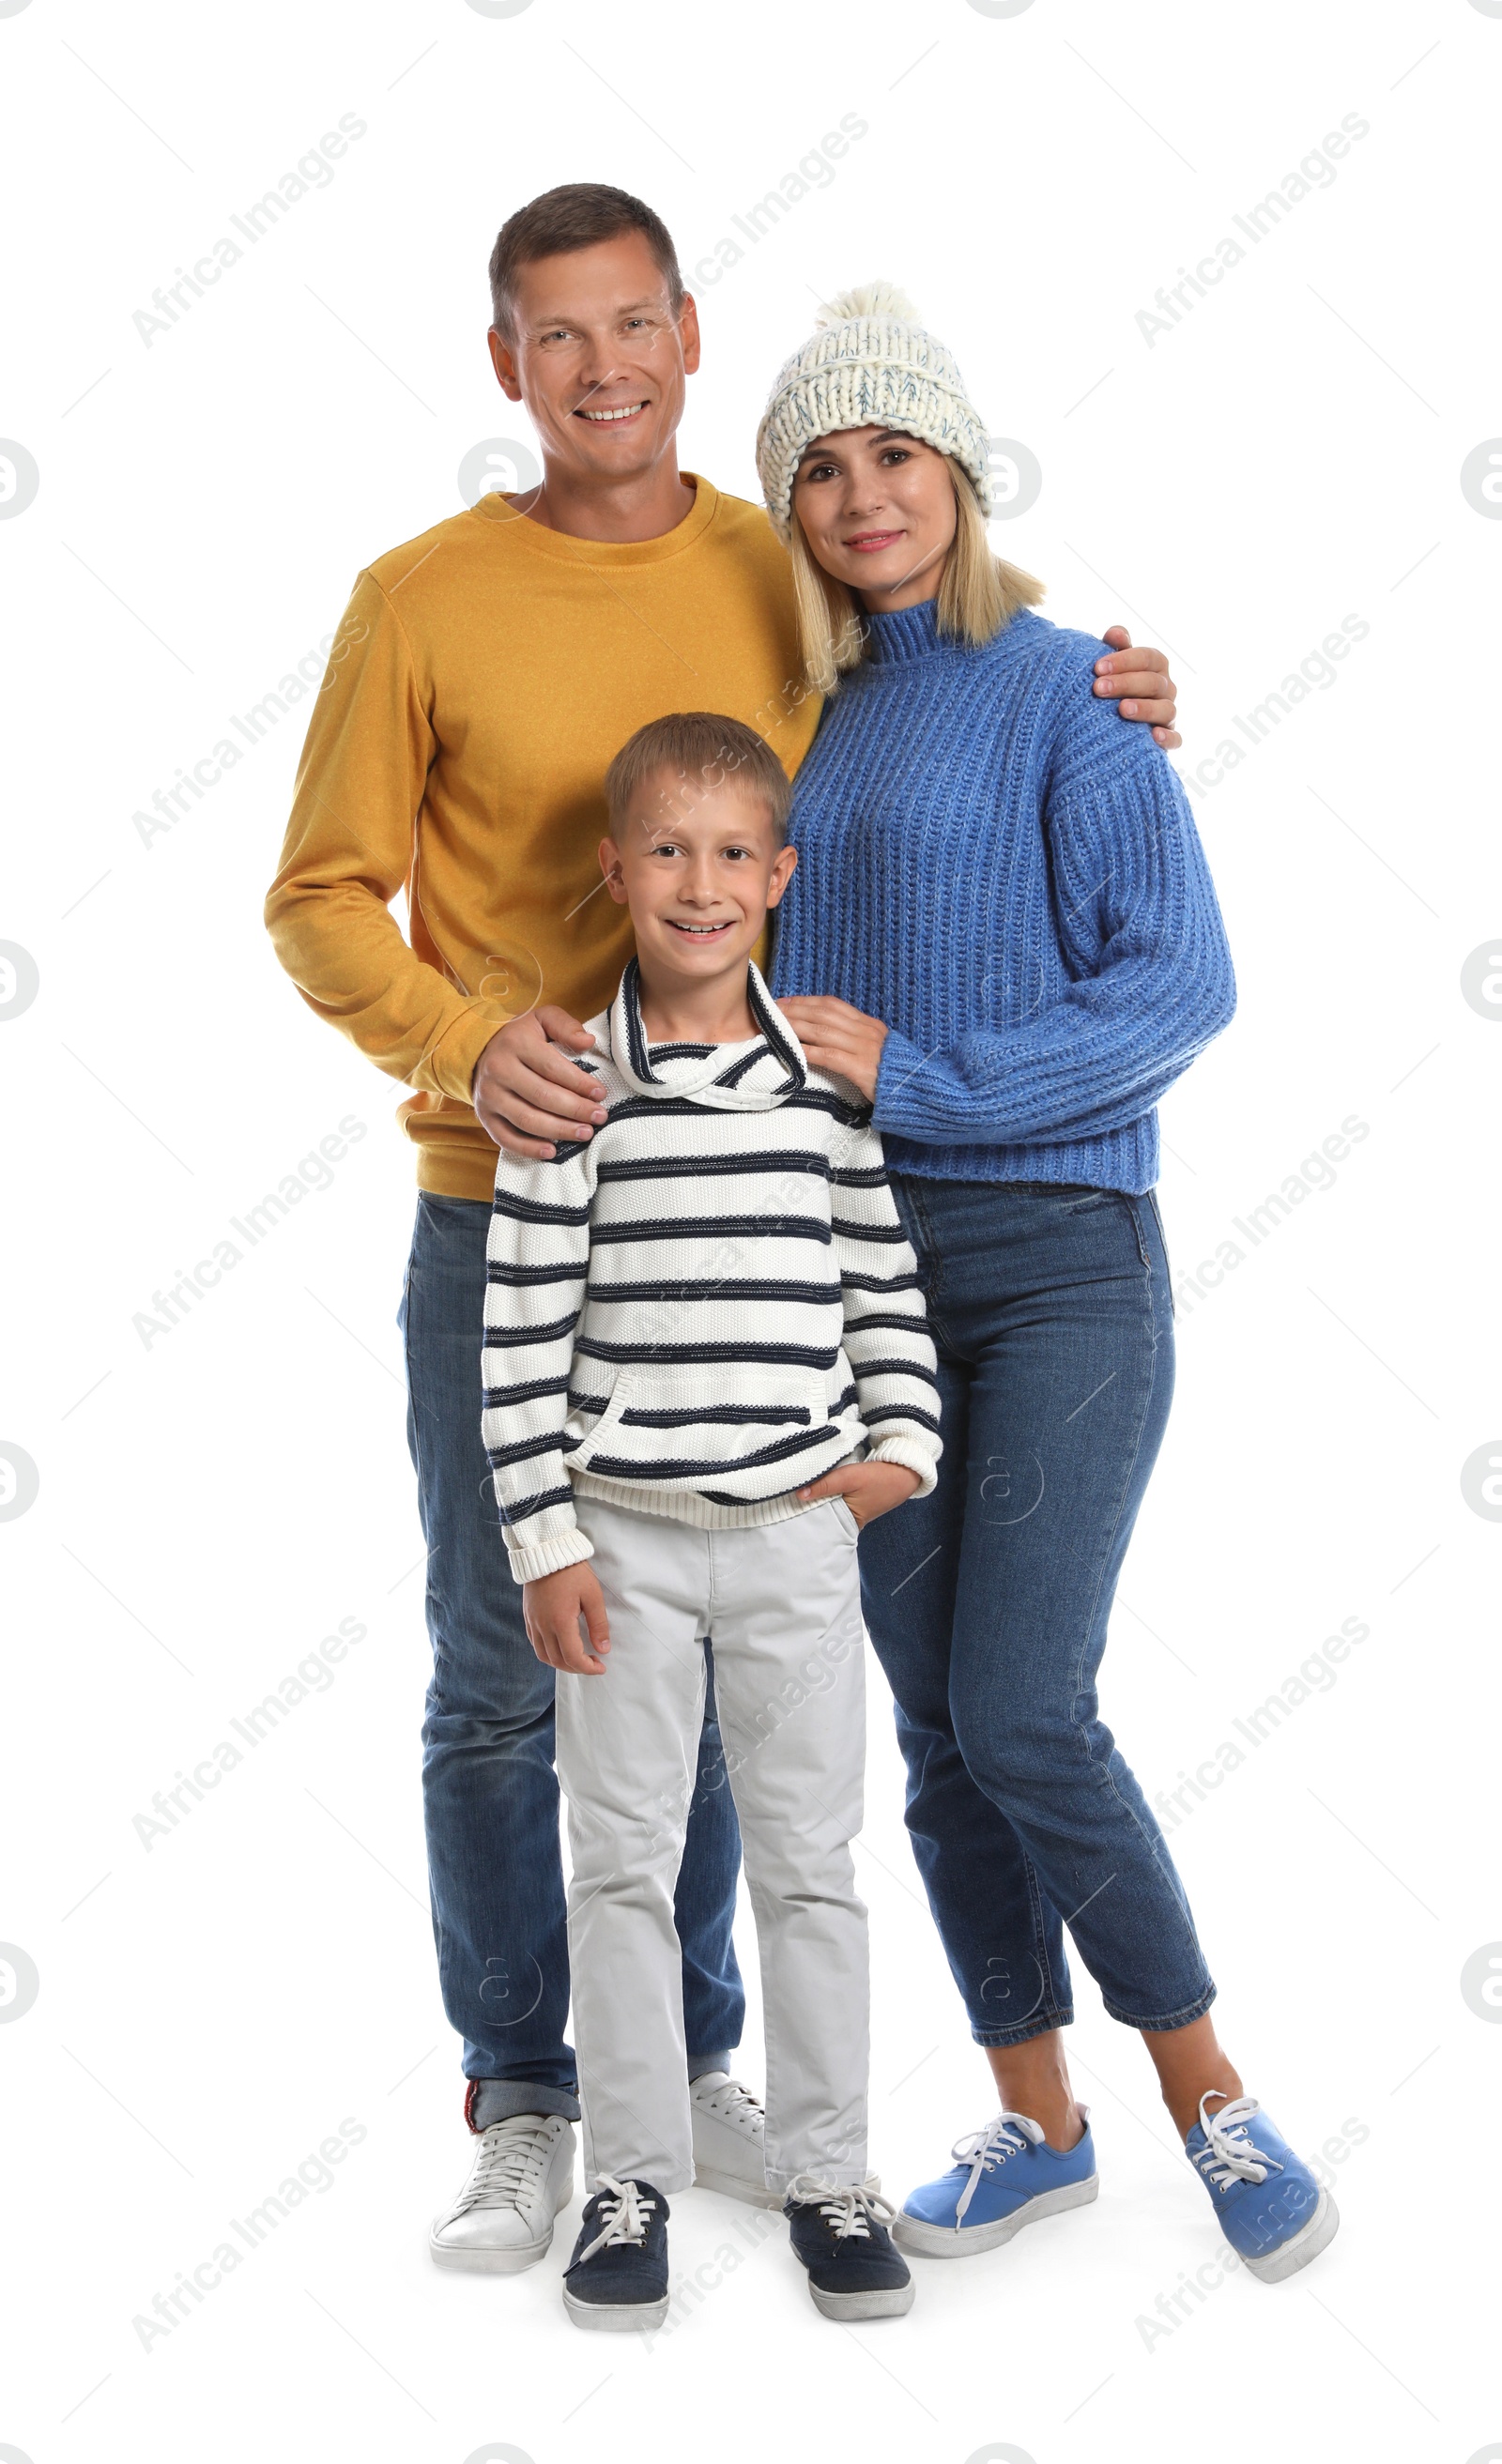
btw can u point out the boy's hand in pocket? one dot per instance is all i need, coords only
(867, 1488)
(555, 1607)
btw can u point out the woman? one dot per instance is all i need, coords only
(1002, 904)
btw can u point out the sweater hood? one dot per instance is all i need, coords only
(753, 1076)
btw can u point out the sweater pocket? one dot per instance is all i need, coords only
(601, 1429)
(672, 1424)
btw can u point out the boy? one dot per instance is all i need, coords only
(708, 1303)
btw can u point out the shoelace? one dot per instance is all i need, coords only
(623, 2213)
(1229, 2155)
(852, 2211)
(510, 2153)
(733, 2102)
(985, 2149)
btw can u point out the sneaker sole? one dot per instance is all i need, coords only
(735, 2186)
(892, 2303)
(968, 2241)
(1321, 2229)
(503, 2261)
(615, 2317)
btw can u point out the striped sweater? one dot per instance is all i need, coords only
(708, 1304)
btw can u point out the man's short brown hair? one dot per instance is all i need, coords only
(562, 220)
(700, 750)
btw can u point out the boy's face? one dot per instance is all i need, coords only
(698, 865)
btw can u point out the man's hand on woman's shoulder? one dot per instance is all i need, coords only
(527, 1094)
(1140, 685)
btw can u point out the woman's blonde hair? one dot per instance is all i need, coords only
(977, 593)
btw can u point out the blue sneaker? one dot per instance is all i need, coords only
(1268, 2202)
(1006, 2176)
(840, 2237)
(618, 2275)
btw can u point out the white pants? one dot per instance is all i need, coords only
(781, 1605)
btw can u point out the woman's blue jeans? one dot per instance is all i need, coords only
(988, 1601)
(489, 1786)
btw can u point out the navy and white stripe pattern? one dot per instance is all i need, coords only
(706, 1307)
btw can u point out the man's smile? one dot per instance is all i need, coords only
(608, 418)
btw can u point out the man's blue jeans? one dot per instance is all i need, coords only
(490, 1791)
(987, 1602)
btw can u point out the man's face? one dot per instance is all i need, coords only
(599, 358)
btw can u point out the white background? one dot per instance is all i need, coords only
(213, 1503)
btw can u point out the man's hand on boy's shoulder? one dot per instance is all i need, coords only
(553, 1607)
(1139, 684)
(527, 1094)
(867, 1488)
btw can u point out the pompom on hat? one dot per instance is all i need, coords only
(869, 363)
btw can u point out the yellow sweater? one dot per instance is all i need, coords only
(481, 680)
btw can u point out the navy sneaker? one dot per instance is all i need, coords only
(841, 2237)
(1268, 2202)
(1005, 2176)
(618, 2275)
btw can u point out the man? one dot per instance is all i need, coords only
(482, 679)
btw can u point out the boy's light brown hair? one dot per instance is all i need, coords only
(696, 751)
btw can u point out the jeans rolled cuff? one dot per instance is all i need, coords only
(488, 2101)
(1021, 2034)
(700, 2064)
(1185, 2019)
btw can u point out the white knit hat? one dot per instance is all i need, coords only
(869, 363)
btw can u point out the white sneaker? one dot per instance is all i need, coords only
(730, 2140)
(521, 2177)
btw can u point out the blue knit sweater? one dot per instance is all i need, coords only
(992, 863)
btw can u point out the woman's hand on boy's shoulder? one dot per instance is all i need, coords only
(553, 1609)
(837, 1038)
(1139, 684)
(528, 1094)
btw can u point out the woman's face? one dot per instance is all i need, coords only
(878, 512)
